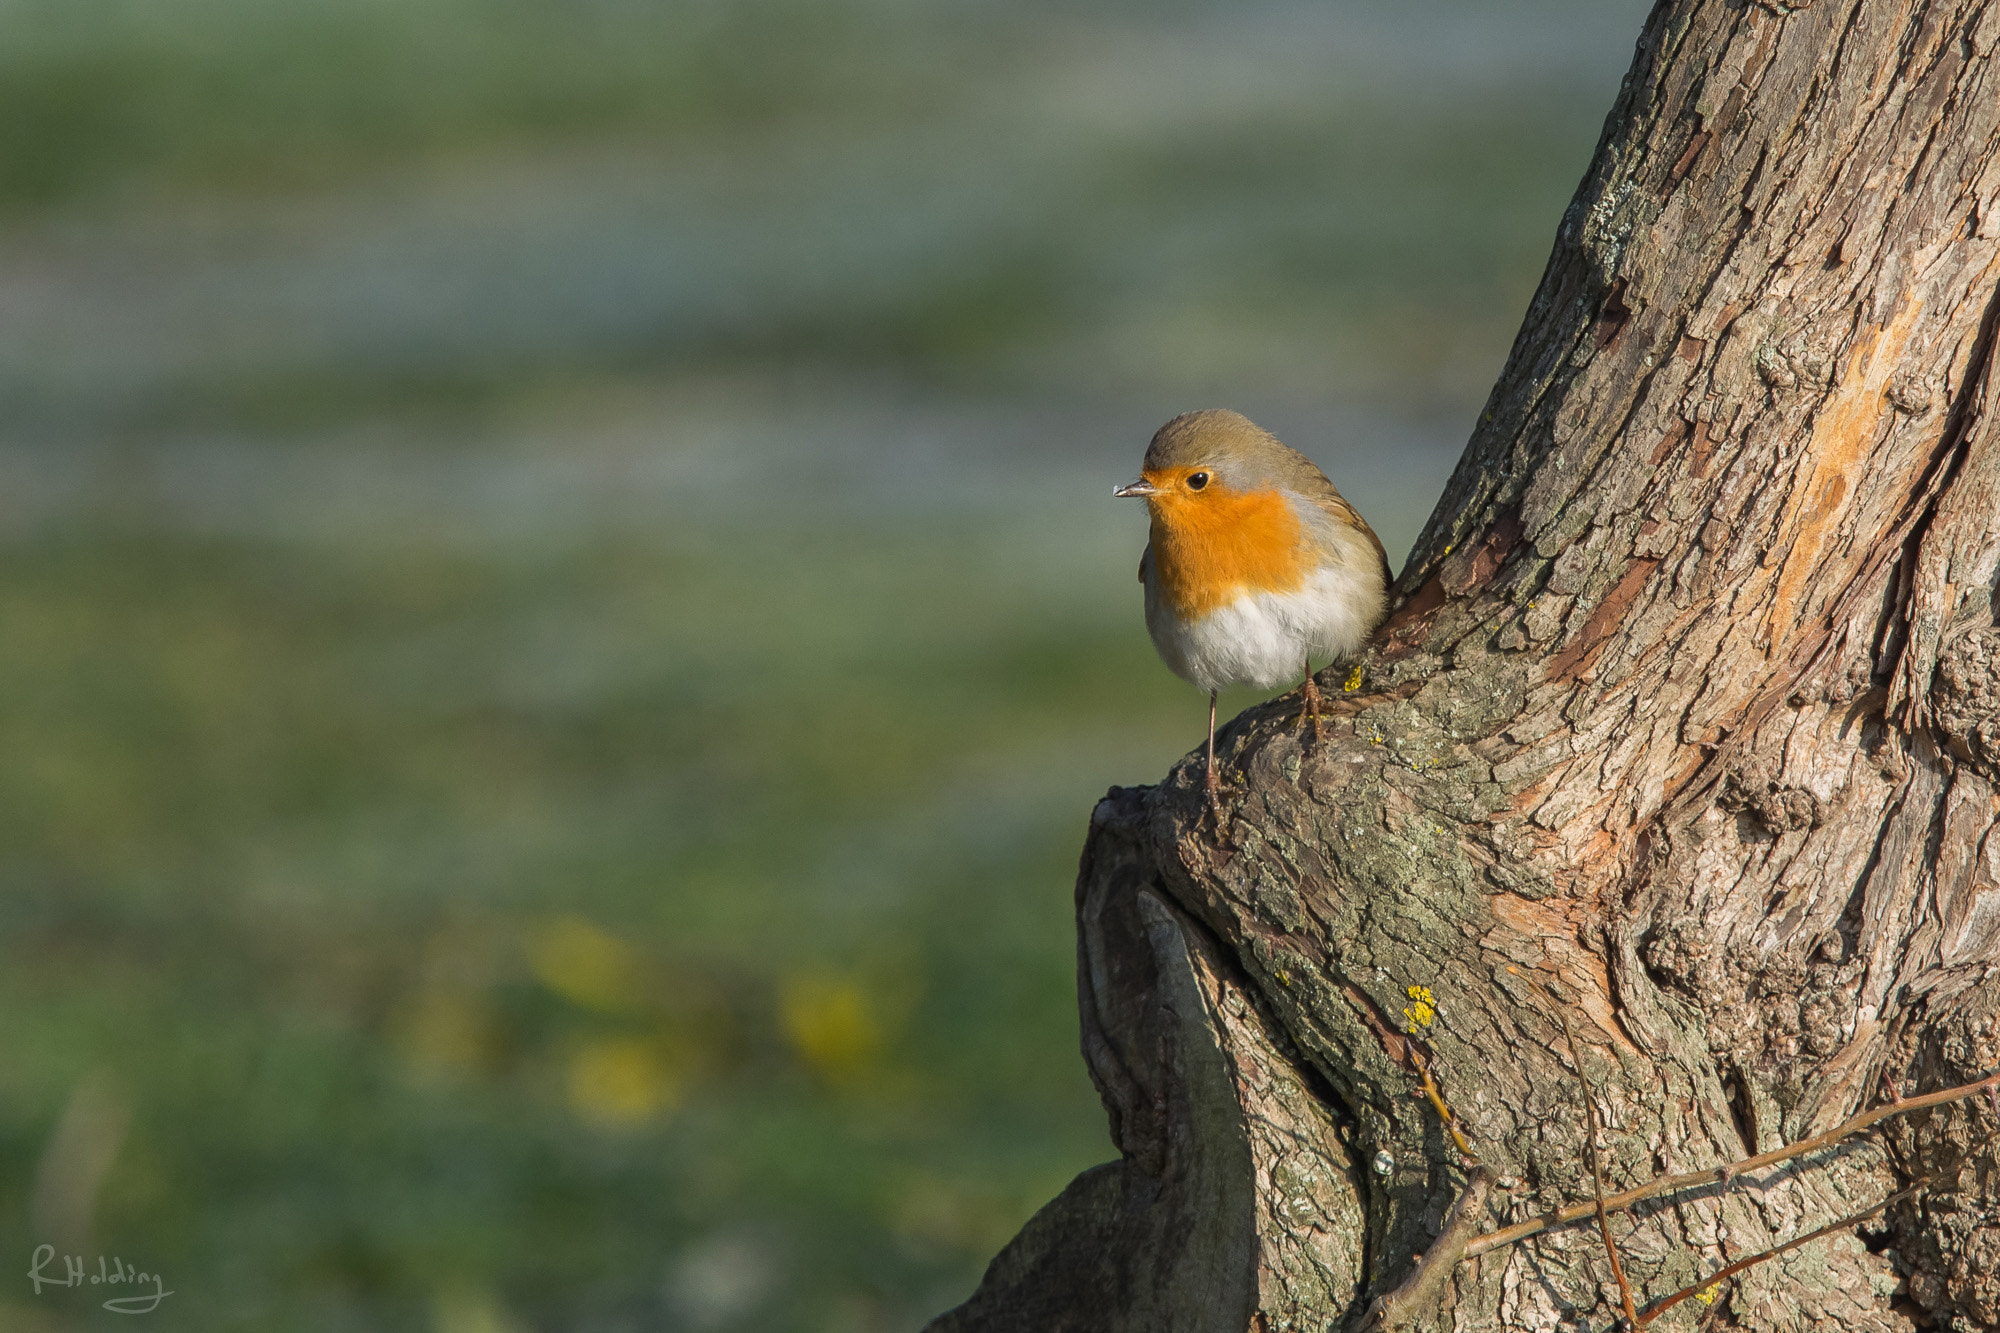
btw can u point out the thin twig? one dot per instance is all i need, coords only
(1404, 1050)
(1597, 1184)
(1418, 1295)
(1717, 1174)
(1444, 1111)
(1665, 1303)
(1589, 1147)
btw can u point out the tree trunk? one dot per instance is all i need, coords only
(1689, 715)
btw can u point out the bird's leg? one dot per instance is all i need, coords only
(1312, 709)
(1210, 782)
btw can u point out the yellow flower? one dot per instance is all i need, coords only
(832, 1023)
(586, 965)
(618, 1081)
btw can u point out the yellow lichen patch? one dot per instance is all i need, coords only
(1707, 1294)
(831, 1023)
(622, 1081)
(1353, 681)
(584, 964)
(1421, 1009)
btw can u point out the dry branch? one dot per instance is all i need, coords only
(1652, 1189)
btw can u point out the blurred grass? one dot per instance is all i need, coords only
(245, 94)
(529, 923)
(503, 826)
(240, 214)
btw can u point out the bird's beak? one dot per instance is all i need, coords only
(1138, 489)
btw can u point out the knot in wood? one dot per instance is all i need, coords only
(1780, 809)
(1912, 395)
(1788, 366)
(1965, 702)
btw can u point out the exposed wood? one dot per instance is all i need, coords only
(1691, 707)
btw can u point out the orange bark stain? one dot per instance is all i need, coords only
(1701, 451)
(1554, 925)
(1530, 798)
(1599, 850)
(1595, 999)
(1406, 626)
(1214, 545)
(1603, 619)
(1846, 426)
(1543, 920)
(1674, 434)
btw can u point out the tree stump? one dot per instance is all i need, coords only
(1686, 732)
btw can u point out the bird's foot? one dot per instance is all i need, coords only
(1212, 788)
(1312, 710)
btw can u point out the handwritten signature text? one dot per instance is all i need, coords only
(115, 1273)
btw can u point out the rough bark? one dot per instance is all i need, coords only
(1690, 711)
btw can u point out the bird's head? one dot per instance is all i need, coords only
(1165, 487)
(1200, 458)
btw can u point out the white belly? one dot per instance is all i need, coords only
(1264, 638)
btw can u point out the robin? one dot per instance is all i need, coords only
(1256, 564)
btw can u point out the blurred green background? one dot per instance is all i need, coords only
(561, 615)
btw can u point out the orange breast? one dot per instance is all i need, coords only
(1213, 547)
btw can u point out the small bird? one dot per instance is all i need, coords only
(1255, 565)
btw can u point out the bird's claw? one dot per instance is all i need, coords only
(1311, 710)
(1212, 788)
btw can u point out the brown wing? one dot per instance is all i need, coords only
(1309, 482)
(1335, 504)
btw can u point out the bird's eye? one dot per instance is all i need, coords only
(1197, 480)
